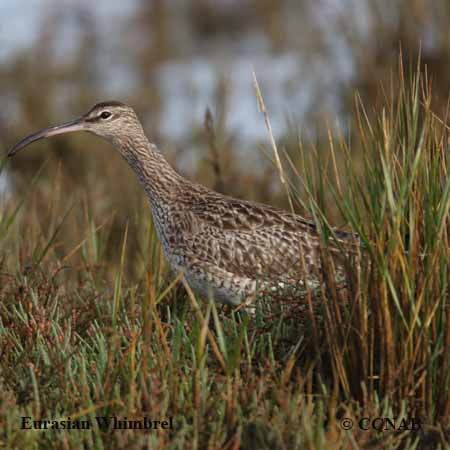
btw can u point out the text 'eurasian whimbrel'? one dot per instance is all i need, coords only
(225, 246)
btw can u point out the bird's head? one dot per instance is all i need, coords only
(110, 120)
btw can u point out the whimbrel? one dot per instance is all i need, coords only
(226, 247)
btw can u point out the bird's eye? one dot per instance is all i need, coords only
(105, 115)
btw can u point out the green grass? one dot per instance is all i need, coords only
(92, 322)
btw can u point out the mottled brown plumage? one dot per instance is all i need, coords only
(226, 247)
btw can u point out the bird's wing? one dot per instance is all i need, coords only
(228, 213)
(255, 240)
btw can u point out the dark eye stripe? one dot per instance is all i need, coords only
(99, 117)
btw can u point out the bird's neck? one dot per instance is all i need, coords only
(159, 180)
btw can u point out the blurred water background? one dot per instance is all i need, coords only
(173, 59)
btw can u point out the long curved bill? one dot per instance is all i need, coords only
(67, 127)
